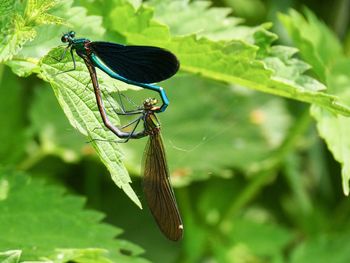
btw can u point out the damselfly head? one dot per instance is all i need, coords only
(67, 37)
(149, 103)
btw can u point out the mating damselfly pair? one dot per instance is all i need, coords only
(140, 66)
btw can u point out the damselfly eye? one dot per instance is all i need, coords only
(72, 34)
(64, 38)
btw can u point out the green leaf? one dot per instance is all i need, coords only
(21, 27)
(36, 12)
(38, 219)
(14, 36)
(333, 128)
(254, 233)
(317, 44)
(6, 8)
(47, 37)
(213, 22)
(12, 115)
(11, 256)
(236, 61)
(323, 249)
(252, 10)
(322, 50)
(55, 134)
(88, 255)
(220, 27)
(248, 242)
(79, 104)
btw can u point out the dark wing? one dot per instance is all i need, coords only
(144, 64)
(158, 191)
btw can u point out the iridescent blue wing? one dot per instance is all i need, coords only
(144, 64)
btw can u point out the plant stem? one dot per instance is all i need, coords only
(1, 71)
(340, 17)
(37, 155)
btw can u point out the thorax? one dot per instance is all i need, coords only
(151, 122)
(81, 45)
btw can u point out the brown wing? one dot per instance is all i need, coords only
(158, 191)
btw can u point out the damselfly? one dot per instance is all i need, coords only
(135, 65)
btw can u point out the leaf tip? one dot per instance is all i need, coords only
(345, 181)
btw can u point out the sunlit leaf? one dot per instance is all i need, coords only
(11, 256)
(78, 103)
(21, 26)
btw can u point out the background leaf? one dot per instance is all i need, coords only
(13, 148)
(323, 51)
(38, 218)
(56, 136)
(322, 249)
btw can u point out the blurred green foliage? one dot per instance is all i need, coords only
(257, 133)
